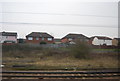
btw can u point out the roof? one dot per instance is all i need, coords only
(39, 34)
(8, 33)
(117, 38)
(102, 37)
(75, 36)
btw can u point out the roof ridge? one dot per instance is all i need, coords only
(101, 36)
(38, 32)
(8, 32)
(75, 34)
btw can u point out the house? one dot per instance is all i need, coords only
(57, 41)
(39, 38)
(100, 40)
(115, 41)
(8, 37)
(71, 38)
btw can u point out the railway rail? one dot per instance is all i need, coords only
(59, 75)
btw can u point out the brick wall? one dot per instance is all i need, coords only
(34, 41)
(64, 40)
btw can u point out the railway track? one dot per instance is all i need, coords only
(58, 75)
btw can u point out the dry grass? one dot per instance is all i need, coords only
(93, 63)
(56, 58)
(67, 62)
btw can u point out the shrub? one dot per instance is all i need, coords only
(42, 42)
(80, 50)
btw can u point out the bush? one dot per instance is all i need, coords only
(42, 42)
(80, 50)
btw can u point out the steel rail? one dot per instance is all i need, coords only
(26, 74)
(38, 76)
(70, 72)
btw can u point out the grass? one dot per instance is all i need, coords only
(106, 49)
(61, 63)
(51, 58)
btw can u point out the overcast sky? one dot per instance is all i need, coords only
(59, 18)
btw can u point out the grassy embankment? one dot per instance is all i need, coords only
(26, 58)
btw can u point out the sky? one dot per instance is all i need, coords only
(60, 17)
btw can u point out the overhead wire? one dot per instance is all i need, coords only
(59, 14)
(52, 24)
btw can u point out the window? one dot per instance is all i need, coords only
(30, 38)
(42, 38)
(37, 38)
(49, 39)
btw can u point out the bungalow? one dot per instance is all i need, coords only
(100, 40)
(115, 41)
(8, 37)
(71, 38)
(39, 37)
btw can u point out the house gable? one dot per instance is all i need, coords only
(95, 41)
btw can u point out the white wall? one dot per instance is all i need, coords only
(0, 39)
(109, 42)
(8, 38)
(97, 41)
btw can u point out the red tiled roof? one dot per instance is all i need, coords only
(39, 34)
